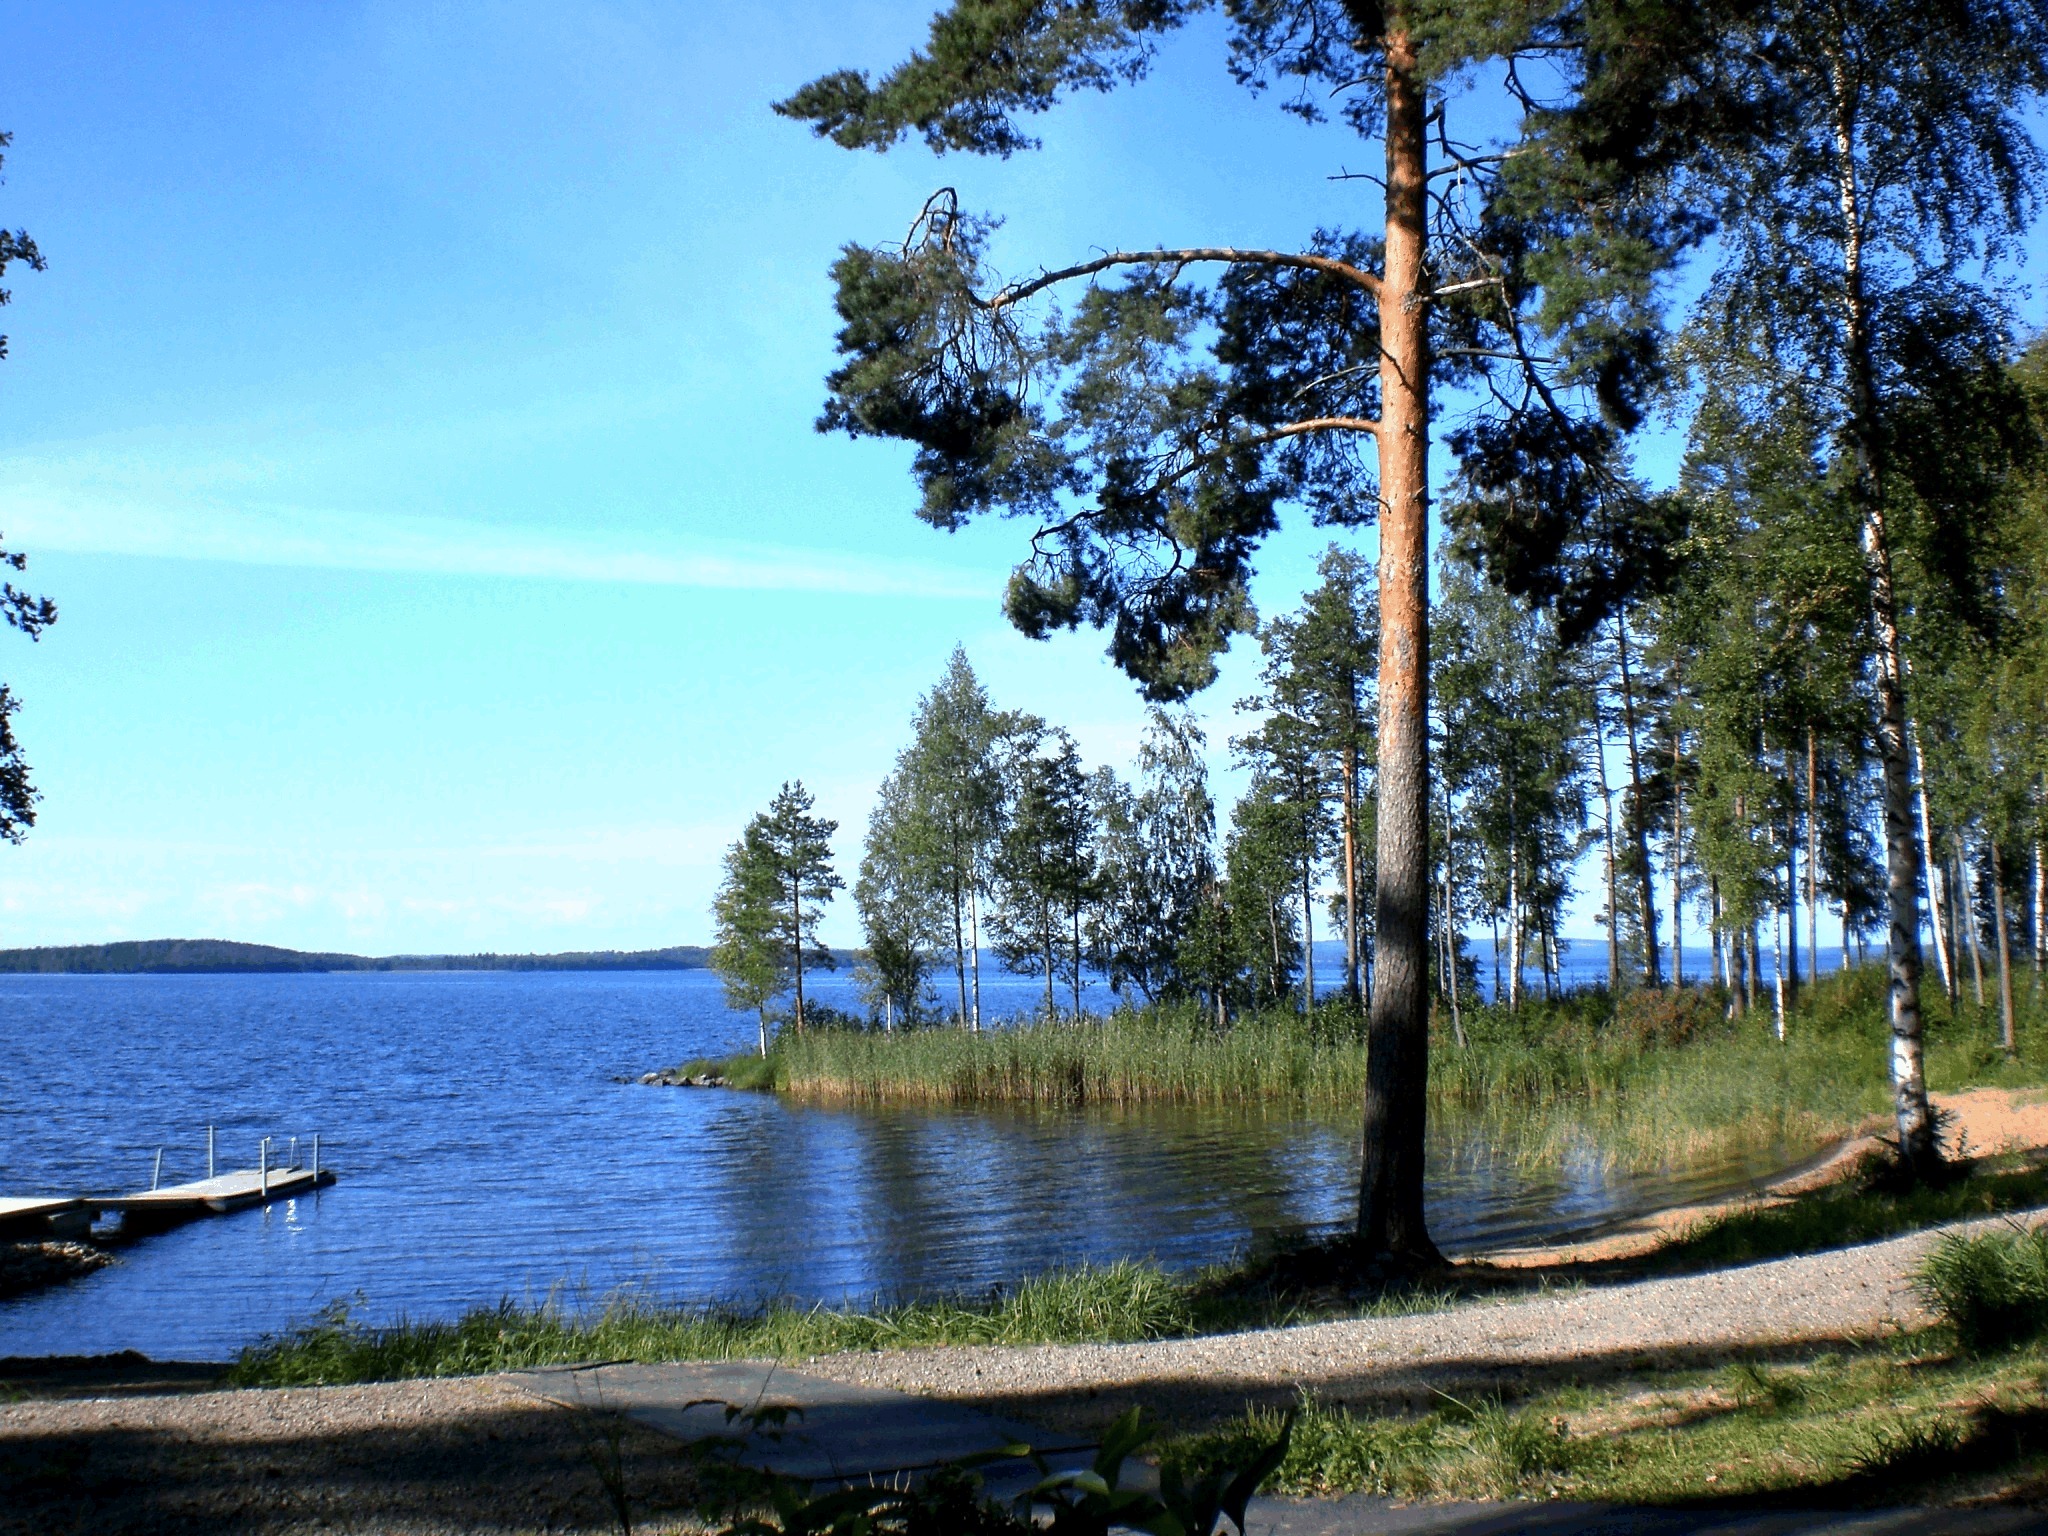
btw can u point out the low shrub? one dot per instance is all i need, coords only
(1992, 1288)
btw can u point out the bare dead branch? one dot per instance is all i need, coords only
(1016, 293)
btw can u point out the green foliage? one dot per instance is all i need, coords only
(1158, 862)
(19, 610)
(1086, 1502)
(1155, 471)
(778, 877)
(1992, 1288)
(1046, 874)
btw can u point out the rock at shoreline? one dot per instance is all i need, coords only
(26, 1267)
(675, 1078)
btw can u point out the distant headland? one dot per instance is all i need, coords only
(197, 956)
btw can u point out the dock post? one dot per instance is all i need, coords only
(316, 1159)
(209, 1151)
(263, 1168)
(156, 1176)
(293, 1162)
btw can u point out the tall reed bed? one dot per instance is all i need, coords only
(1162, 1055)
(1653, 1079)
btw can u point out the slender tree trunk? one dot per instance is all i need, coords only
(796, 945)
(1045, 927)
(1493, 920)
(1720, 920)
(1515, 960)
(1677, 853)
(1966, 909)
(1756, 966)
(1639, 823)
(1947, 962)
(974, 950)
(2006, 1038)
(1273, 928)
(1917, 1147)
(1308, 942)
(1351, 987)
(959, 941)
(1738, 972)
(1607, 819)
(1792, 876)
(1813, 863)
(1451, 945)
(1077, 963)
(2040, 910)
(1390, 1216)
(761, 1018)
(1778, 967)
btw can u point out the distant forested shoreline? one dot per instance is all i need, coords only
(180, 956)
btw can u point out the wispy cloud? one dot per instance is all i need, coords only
(39, 512)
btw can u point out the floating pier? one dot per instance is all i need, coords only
(164, 1205)
(39, 1216)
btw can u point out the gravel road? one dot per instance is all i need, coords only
(1617, 1330)
(414, 1458)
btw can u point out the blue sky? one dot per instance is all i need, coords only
(414, 427)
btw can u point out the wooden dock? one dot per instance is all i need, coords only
(204, 1197)
(34, 1217)
(40, 1216)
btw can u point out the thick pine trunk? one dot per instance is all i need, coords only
(1390, 1219)
(1917, 1146)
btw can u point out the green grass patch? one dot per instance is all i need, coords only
(1865, 1425)
(1853, 1212)
(1101, 1303)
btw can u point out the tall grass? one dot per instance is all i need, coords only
(1992, 1288)
(1092, 1304)
(1651, 1079)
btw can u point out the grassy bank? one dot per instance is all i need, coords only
(1959, 1406)
(1659, 1079)
(1108, 1302)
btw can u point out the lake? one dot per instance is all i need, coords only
(485, 1150)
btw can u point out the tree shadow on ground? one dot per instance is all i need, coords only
(503, 1470)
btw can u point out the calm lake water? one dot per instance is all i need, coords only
(484, 1151)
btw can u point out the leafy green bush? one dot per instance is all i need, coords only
(1991, 1288)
